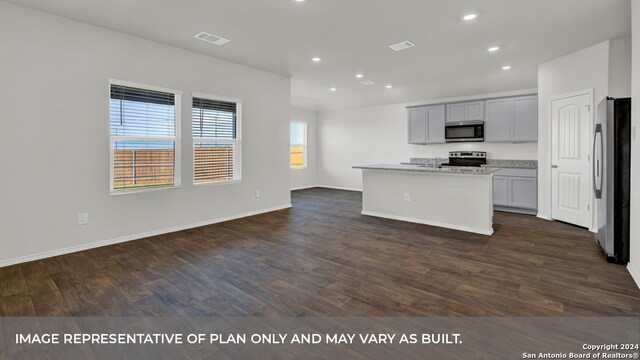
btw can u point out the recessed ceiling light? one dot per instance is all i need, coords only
(389, 86)
(506, 67)
(333, 89)
(316, 59)
(359, 76)
(469, 17)
(493, 48)
(299, 0)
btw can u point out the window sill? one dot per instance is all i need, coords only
(143, 190)
(218, 183)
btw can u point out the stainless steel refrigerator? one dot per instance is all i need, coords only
(612, 176)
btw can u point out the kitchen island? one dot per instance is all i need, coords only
(458, 198)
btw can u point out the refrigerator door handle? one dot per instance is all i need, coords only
(597, 161)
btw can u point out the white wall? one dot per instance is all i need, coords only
(304, 178)
(378, 134)
(582, 70)
(634, 265)
(55, 135)
(620, 67)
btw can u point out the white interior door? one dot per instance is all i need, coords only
(570, 161)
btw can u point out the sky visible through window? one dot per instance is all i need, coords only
(136, 118)
(297, 133)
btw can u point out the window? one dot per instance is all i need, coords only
(144, 137)
(216, 140)
(298, 148)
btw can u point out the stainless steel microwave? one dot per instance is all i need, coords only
(464, 131)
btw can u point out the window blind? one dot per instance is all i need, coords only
(214, 119)
(143, 138)
(139, 112)
(216, 155)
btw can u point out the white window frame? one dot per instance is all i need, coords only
(112, 139)
(306, 138)
(237, 159)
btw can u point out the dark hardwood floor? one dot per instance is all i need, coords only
(323, 258)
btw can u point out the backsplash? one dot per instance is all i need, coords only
(521, 164)
(428, 160)
(501, 163)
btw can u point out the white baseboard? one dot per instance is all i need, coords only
(635, 273)
(304, 187)
(339, 188)
(97, 244)
(432, 223)
(544, 216)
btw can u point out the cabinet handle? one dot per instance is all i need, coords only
(554, 166)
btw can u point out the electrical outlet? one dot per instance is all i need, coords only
(407, 197)
(83, 219)
(257, 194)
(634, 133)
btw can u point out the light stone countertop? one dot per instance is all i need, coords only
(455, 170)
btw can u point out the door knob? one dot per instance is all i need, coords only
(554, 166)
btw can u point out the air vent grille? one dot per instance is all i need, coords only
(367, 82)
(402, 45)
(214, 39)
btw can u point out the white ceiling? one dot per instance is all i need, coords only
(352, 36)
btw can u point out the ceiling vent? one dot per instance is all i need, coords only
(367, 82)
(205, 36)
(402, 45)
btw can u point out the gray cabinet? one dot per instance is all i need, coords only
(426, 125)
(524, 119)
(515, 189)
(497, 126)
(500, 190)
(473, 110)
(417, 125)
(522, 192)
(455, 112)
(435, 124)
(512, 119)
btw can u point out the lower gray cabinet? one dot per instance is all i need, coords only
(522, 192)
(500, 190)
(515, 189)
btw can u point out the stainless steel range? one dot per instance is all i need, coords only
(466, 158)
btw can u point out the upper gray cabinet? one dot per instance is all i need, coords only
(417, 125)
(525, 119)
(497, 126)
(511, 119)
(435, 124)
(473, 110)
(426, 125)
